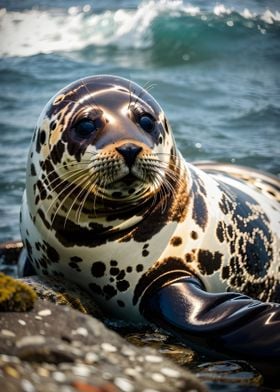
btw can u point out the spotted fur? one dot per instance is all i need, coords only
(120, 230)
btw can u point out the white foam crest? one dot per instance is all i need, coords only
(34, 31)
(270, 17)
(220, 9)
(31, 32)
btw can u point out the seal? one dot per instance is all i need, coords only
(111, 204)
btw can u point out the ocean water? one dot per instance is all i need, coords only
(214, 68)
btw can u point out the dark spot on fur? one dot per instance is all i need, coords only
(95, 288)
(98, 269)
(121, 275)
(139, 268)
(42, 190)
(38, 141)
(73, 234)
(74, 266)
(129, 269)
(194, 235)
(189, 257)
(76, 259)
(225, 272)
(114, 271)
(176, 241)
(145, 253)
(220, 231)
(209, 262)
(52, 253)
(122, 285)
(57, 152)
(120, 303)
(28, 247)
(200, 212)
(43, 218)
(166, 128)
(42, 137)
(32, 170)
(109, 291)
(52, 125)
(113, 263)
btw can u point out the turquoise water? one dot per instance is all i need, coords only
(214, 69)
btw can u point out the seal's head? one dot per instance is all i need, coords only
(105, 136)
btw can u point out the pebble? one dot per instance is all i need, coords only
(131, 372)
(59, 376)
(124, 384)
(30, 340)
(9, 358)
(45, 312)
(157, 377)
(152, 390)
(153, 358)
(91, 358)
(80, 331)
(127, 351)
(12, 372)
(6, 332)
(108, 347)
(81, 370)
(27, 386)
(107, 376)
(170, 372)
(21, 322)
(43, 372)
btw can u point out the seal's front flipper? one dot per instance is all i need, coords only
(228, 323)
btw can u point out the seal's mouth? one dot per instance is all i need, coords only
(129, 179)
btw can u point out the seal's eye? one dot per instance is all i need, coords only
(85, 127)
(146, 122)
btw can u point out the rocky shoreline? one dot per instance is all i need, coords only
(58, 343)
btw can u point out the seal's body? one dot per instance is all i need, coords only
(111, 204)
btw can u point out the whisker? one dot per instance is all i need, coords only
(76, 199)
(79, 211)
(65, 177)
(85, 176)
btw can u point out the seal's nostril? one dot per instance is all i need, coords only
(129, 151)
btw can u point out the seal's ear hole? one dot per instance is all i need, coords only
(86, 127)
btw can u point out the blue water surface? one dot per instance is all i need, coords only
(213, 67)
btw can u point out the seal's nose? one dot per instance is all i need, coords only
(129, 151)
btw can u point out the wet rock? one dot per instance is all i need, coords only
(178, 353)
(55, 348)
(239, 372)
(64, 293)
